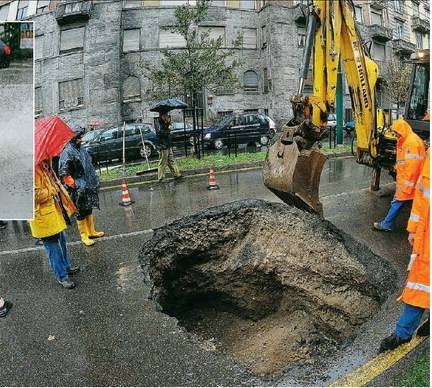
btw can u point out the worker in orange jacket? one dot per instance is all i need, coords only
(410, 154)
(416, 293)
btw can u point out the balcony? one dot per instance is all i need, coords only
(300, 13)
(419, 24)
(403, 47)
(379, 4)
(380, 33)
(73, 11)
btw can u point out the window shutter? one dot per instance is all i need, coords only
(215, 32)
(250, 38)
(73, 38)
(170, 39)
(131, 40)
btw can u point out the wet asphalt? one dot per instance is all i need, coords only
(16, 141)
(107, 332)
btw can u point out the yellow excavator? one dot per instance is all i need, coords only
(293, 165)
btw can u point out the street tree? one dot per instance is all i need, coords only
(396, 78)
(204, 62)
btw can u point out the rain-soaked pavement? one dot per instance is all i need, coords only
(16, 141)
(107, 332)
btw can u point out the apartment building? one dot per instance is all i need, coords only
(88, 53)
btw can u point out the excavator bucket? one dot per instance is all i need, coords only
(294, 175)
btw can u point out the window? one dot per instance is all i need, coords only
(4, 12)
(358, 14)
(250, 38)
(170, 39)
(132, 3)
(131, 89)
(224, 113)
(247, 4)
(39, 40)
(267, 84)
(22, 9)
(399, 30)
(250, 81)
(42, 6)
(348, 114)
(301, 36)
(376, 17)
(109, 135)
(131, 40)
(397, 5)
(71, 94)
(379, 51)
(218, 3)
(418, 101)
(38, 100)
(263, 36)
(214, 33)
(416, 8)
(72, 39)
(419, 40)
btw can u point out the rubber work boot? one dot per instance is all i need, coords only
(73, 269)
(424, 329)
(5, 309)
(392, 342)
(91, 229)
(82, 227)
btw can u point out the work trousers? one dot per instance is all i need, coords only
(167, 160)
(390, 219)
(409, 321)
(55, 247)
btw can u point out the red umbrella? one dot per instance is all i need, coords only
(51, 134)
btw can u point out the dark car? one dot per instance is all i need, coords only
(242, 128)
(107, 144)
(180, 132)
(5, 53)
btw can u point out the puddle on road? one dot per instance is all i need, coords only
(265, 283)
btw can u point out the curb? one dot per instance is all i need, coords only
(152, 177)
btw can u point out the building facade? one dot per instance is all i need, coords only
(89, 54)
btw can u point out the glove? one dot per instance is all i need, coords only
(69, 181)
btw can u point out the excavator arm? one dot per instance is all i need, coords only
(294, 163)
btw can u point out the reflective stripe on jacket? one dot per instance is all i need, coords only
(417, 288)
(410, 156)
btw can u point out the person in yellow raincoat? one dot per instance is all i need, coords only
(49, 223)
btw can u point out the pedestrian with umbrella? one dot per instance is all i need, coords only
(79, 175)
(163, 133)
(53, 206)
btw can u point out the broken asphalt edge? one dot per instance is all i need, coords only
(151, 178)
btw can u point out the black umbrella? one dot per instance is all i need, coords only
(168, 104)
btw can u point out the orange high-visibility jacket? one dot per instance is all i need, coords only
(416, 291)
(410, 156)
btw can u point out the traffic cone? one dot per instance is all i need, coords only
(212, 185)
(126, 199)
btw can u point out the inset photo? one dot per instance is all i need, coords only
(16, 121)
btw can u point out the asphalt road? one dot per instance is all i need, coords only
(107, 332)
(16, 141)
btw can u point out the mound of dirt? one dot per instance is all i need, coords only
(265, 283)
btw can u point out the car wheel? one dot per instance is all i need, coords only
(264, 140)
(147, 151)
(218, 144)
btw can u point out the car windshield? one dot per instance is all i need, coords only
(89, 136)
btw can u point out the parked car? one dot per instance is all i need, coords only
(181, 131)
(241, 128)
(107, 144)
(331, 121)
(5, 53)
(349, 127)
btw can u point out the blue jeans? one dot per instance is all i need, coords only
(390, 219)
(56, 250)
(408, 321)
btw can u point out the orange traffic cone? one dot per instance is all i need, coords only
(126, 199)
(212, 185)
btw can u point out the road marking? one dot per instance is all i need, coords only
(185, 177)
(378, 365)
(73, 243)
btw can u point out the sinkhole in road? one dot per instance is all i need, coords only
(267, 284)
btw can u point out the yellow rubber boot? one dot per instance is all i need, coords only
(82, 227)
(91, 229)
